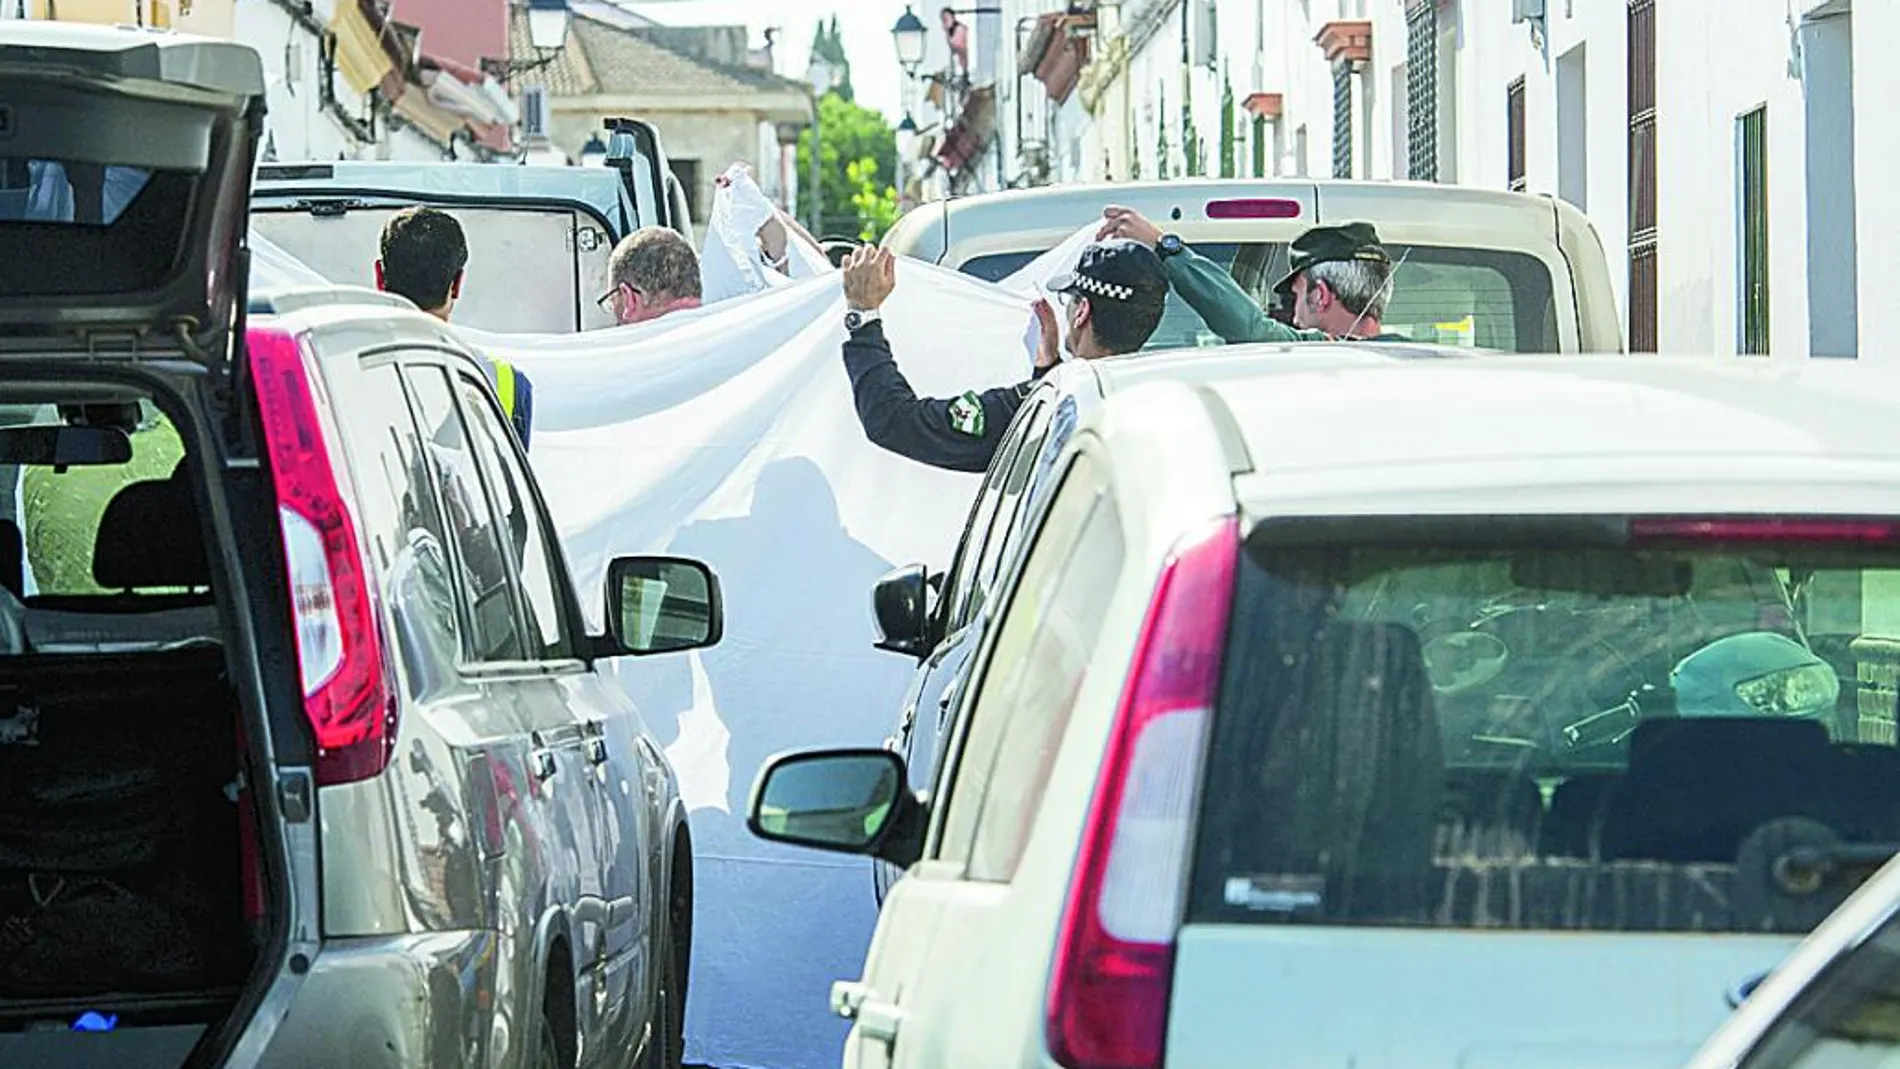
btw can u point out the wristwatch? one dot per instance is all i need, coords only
(1169, 245)
(857, 319)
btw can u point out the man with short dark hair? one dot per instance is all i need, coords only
(424, 257)
(654, 271)
(1113, 300)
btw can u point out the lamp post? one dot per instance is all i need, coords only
(547, 34)
(819, 75)
(594, 153)
(910, 34)
(906, 148)
(547, 24)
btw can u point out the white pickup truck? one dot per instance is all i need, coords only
(539, 237)
(1479, 268)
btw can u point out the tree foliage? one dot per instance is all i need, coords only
(857, 160)
(827, 43)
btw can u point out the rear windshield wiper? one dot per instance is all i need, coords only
(330, 208)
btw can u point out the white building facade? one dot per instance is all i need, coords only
(1740, 228)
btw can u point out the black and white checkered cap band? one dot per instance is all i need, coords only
(1097, 288)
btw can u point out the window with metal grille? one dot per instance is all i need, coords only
(1421, 90)
(1752, 224)
(1342, 120)
(1515, 133)
(1642, 176)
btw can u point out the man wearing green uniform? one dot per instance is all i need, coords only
(1337, 280)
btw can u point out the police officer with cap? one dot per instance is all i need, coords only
(1113, 301)
(1338, 280)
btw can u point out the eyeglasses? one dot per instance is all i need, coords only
(606, 300)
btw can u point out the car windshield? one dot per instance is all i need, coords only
(1441, 295)
(1550, 739)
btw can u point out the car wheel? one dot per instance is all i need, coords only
(669, 997)
(547, 1047)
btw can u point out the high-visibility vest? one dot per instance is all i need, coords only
(502, 374)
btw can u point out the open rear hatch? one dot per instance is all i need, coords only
(125, 166)
(131, 910)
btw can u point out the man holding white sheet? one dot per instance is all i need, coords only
(1113, 300)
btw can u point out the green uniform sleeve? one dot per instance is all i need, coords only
(1226, 308)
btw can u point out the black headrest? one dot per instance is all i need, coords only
(150, 537)
(12, 558)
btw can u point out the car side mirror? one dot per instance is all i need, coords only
(844, 801)
(662, 605)
(901, 604)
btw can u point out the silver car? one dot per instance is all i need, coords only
(305, 757)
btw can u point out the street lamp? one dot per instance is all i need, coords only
(547, 24)
(906, 138)
(821, 78)
(594, 153)
(910, 34)
(547, 34)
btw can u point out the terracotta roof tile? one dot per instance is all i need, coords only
(619, 61)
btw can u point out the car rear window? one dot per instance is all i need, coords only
(1441, 295)
(1180, 327)
(90, 228)
(1585, 739)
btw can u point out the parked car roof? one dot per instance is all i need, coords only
(1417, 429)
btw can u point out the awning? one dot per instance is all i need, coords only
(1038, 43)
(1055, 54)
(361, 55)
(965, 139)
(1263, 105)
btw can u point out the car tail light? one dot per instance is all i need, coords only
(1254, 208)
(347, 697)
(1113, 972)
(1763, 529)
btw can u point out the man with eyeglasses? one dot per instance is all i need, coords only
(654, 271)
(1112, 302)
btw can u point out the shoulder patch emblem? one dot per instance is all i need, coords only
(966, 415)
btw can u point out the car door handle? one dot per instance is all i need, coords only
(880, 1020)
(847, 996)
(594, 741)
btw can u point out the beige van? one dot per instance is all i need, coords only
(1478, 268)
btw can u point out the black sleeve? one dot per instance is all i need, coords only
(961, 433)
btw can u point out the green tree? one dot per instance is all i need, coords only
(827, 43)
(875, 201)
(1229, 142)
(857, 153)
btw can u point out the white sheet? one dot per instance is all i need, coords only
(729, 434)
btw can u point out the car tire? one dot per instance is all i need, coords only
(669, 996)
(547, 1046)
